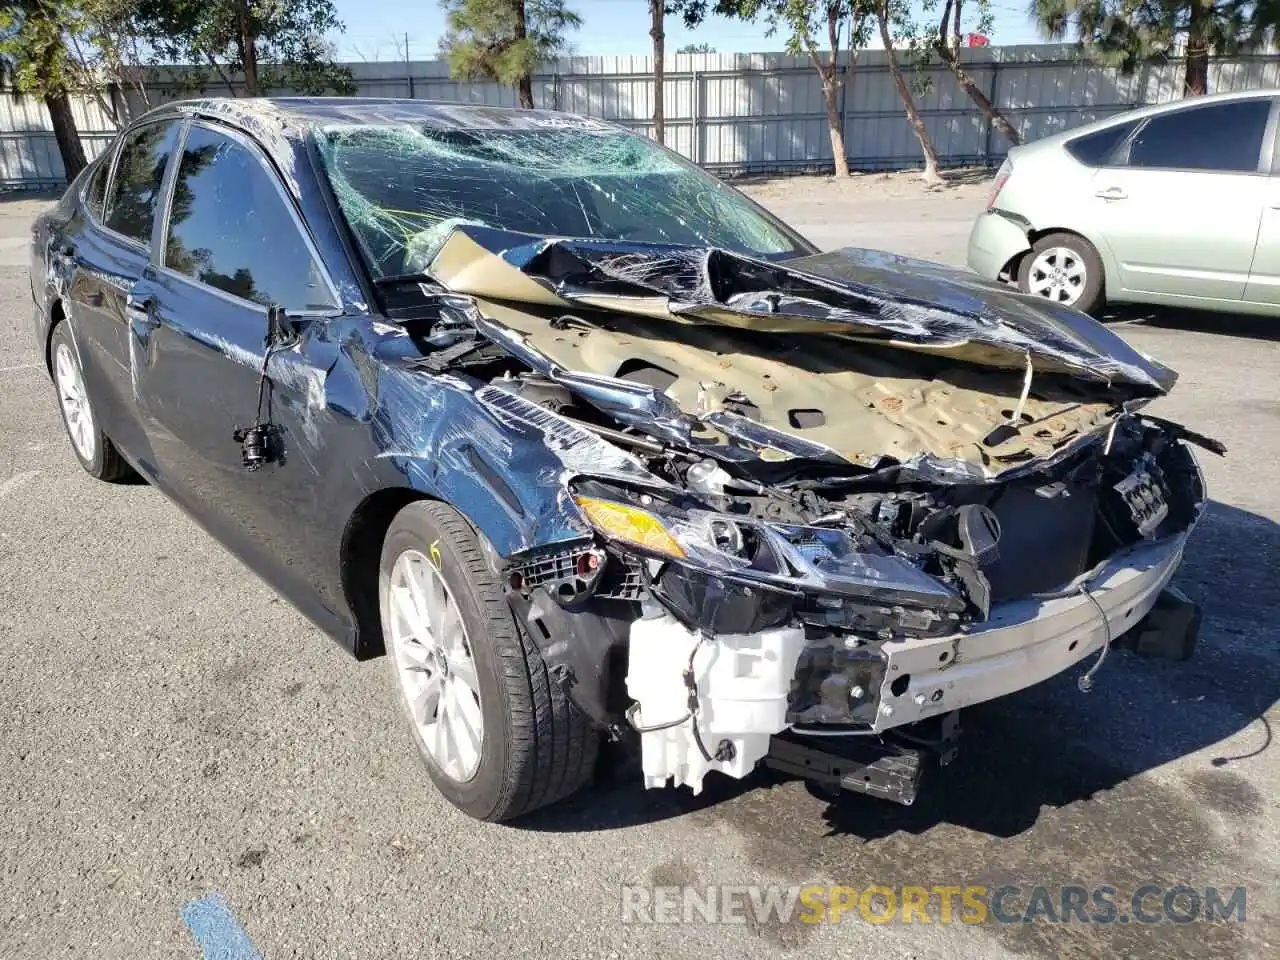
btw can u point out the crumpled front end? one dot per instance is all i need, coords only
(843, 495)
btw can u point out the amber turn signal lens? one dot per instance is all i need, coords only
(628, 524)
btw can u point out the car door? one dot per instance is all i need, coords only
(1180, 205)
(1264, 274)
(232, 246)
(110, 249)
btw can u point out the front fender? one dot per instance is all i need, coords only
(449, 441)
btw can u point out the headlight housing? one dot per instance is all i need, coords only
(787, 557)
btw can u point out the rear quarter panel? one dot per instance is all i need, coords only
(1050, 190)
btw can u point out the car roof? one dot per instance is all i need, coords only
(288, 114)
(1151, 110)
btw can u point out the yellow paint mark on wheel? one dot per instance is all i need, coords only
(435, 554)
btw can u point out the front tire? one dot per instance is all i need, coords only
(1066, 269)
(498, 736)
(93, 448)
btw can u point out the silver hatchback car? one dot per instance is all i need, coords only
(1177, 204)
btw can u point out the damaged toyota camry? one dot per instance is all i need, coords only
(593, 448)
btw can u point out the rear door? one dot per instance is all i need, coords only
(1181, 204)
(111, 251)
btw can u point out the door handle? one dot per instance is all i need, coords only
(139, 310)
(1111, 193)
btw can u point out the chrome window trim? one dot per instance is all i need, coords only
(260, 155)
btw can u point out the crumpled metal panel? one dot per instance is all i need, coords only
(802, 387)
(851, 294)
(872, 404)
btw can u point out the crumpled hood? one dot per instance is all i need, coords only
(851, 294)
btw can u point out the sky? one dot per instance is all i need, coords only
(375, 29)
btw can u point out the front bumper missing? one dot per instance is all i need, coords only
(1023, 641)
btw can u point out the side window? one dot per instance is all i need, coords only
(134, 195)
(95, 191)
(1221, 137)
(1093, 149)
(229, 227)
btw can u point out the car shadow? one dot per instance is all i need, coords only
(1204, 321)
(1051, 746)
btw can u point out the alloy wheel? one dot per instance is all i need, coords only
(435, 666)
(75, 402)
(1057, 274)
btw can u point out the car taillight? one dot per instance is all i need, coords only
(1002, 177)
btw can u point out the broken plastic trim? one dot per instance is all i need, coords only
(795, 559)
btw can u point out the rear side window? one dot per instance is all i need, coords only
(134, 195)
(230, 228)
(1093, 149)
(1224, 137)
(95, 192)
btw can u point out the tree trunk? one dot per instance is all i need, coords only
(64, 131)
(955, 27)
(657, 8)
(248, 44)
(831, 94)
(930, 173)
(524, 86)
(989, 110)
(1196, 83)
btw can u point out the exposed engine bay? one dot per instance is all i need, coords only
(811, 502)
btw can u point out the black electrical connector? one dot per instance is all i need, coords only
(258, 445)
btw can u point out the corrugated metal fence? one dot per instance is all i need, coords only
(735, 112)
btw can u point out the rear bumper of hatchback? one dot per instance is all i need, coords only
(995, 240)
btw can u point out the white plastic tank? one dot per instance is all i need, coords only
(743, 681)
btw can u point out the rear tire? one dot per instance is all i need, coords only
(1065, 269)
(93, 448)
(535, 747)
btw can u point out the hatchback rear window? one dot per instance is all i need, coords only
(1093, 149)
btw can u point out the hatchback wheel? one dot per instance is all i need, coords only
(498, 736)
(1064, 268)
(95, 451)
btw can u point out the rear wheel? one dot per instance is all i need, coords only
(93, 448)
(498, 736)
(1066, 269)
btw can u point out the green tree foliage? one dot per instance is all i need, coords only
(273, 44)
(1128, 33)
(503, 40)
(893, 17)
(803, 22)
(944, 41)
(697, 48)
(36, 60)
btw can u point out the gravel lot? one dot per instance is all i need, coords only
(170, 729)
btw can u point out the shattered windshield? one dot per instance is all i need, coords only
(404, 188)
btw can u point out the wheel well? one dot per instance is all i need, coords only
(1035, 236)
(56, 316)
(361, 553)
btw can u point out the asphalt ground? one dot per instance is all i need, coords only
(172, 735)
